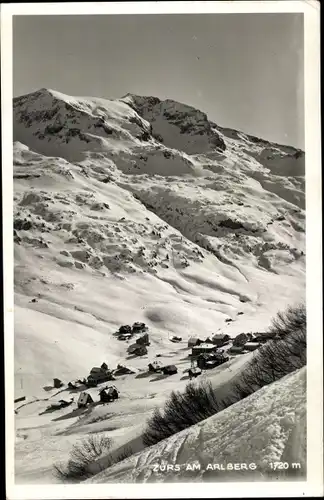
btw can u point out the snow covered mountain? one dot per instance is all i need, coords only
(138, 209)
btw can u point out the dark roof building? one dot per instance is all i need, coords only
(220, 339)
(57, 383)
(203, 348)
(169, 370)
(84, 399)
(194, 341)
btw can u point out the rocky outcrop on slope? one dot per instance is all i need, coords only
(176, 124)
(237, 196)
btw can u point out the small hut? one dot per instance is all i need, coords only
(57, 383)
(169, 370)
(194, 372)
(84, 400)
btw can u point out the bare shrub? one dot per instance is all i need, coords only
(83, 462)
(292, 319)
(182, 410)
(82, 455)
(126, 452)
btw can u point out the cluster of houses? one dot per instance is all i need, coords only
(106, 395)
(205, 354)
(97, 375)
(157, 367)
(208, 352)
(125, 332)
(139, 347)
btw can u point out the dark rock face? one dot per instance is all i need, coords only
(231, 224)
(188, 120)
(22, 224)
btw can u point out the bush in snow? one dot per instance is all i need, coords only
(83, 464)
(293, 319)
(182, 410)
(83, 454)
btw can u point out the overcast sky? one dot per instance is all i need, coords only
(244, 70)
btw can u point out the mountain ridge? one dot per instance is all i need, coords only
(53, 92)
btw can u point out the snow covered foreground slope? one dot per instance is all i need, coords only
(138, 210)
(267, 427)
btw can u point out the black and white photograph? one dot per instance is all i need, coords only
(160, 310)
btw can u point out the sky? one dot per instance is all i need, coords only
(244, 70)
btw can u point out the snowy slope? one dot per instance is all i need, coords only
(139, 210)
(267, 427)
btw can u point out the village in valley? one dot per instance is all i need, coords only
(204, 354)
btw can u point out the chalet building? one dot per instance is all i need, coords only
(155, 366)
(220, 339)
(169, 370)
(84, 400)
(139, 327)
(108, 394)
(208, 361)
(137, 349)
(193, 341)
(99, 375)
(203, 348)
(125, 329)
